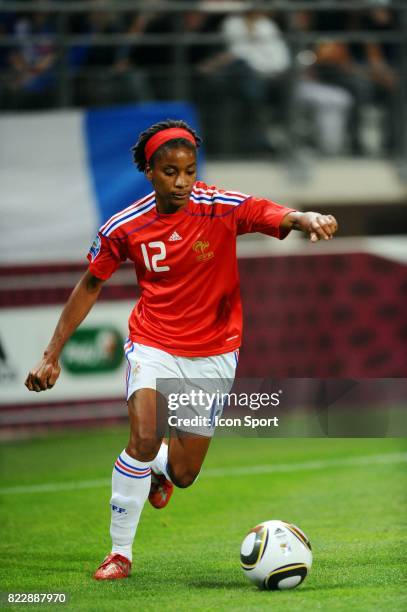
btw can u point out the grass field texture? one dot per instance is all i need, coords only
(348, 495)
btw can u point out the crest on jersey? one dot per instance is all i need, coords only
(95, 248)
(201, 248)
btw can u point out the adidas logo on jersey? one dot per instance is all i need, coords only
(174, 236)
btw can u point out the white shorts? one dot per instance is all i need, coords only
(203, 379)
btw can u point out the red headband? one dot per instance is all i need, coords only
(164, 136)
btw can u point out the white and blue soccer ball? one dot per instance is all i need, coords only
(276, 555)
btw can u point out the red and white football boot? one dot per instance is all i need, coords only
(114, 567)
(160, 491)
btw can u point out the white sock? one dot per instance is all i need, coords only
(160, 463)
(131, 481)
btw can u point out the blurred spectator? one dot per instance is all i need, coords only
(328, 107)
(156, 58)
(6, 29)
(105, 72)
(379, 59)
(335, 69)
(253, 72)
(324, 108)
(198, 53)
(336, 65)
(199, 86)
(30, 64)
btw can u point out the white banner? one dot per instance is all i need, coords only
(93, 363)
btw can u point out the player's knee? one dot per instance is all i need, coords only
(183, 477)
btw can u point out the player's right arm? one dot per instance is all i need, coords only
(80, 302)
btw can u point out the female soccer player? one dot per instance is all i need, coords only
(187, 324)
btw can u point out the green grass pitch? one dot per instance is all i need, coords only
(348, 495)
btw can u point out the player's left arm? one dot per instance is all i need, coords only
(316, 225)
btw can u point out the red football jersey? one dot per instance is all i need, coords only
(186, 266)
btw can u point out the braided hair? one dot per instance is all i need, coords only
(139, 157)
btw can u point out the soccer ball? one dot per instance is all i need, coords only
(276, 555)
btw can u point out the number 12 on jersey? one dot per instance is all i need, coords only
(151, 265)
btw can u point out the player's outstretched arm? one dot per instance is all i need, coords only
(81, 300)
(316, 225)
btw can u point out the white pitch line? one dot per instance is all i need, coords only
(309, 465)
(55, 487)
(367, 460)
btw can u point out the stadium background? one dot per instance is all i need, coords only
(332, 310)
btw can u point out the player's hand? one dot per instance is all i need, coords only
(44, 375)
(317, 226)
